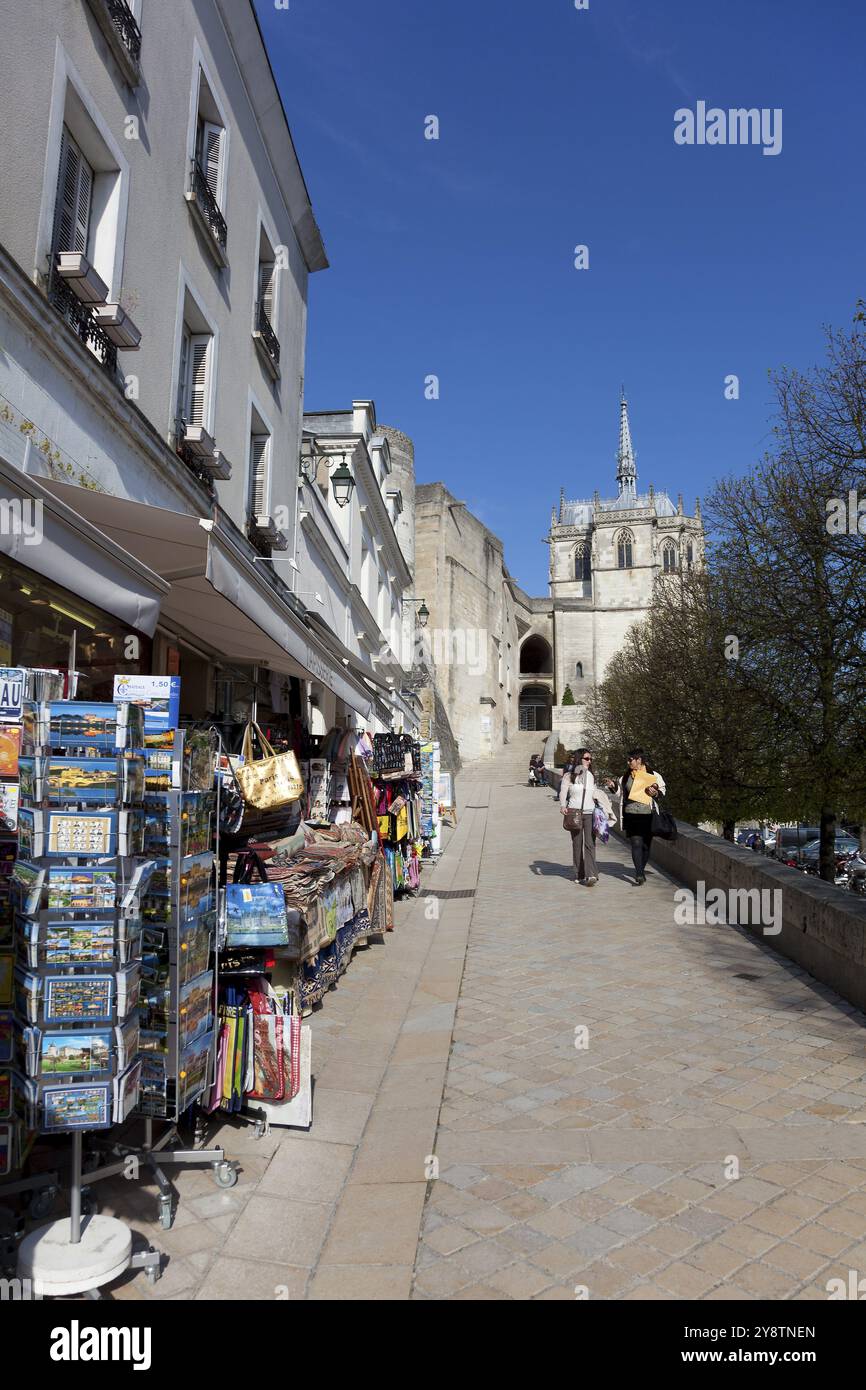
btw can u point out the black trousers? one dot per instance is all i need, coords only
(639, 830)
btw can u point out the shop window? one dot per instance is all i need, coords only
(42, 624)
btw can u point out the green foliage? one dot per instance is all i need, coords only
(568, 696)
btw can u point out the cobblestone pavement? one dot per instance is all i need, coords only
(607, 1170)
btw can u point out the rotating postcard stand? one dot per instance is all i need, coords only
(179, 963)
(76, 886)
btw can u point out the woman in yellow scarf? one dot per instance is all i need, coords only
(638, 789)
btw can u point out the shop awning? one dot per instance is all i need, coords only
(74, 553)
(217, 593)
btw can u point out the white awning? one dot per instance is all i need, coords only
(64, 547)
(217, 593)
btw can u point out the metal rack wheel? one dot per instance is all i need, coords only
(166, 1215)
(225, 1174)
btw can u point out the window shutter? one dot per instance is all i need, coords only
(183, 377)
(267, 288)
(260, 458)
(199, 371)
(211, 155)
(74, 192)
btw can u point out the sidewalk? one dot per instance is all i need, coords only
(608, 1167)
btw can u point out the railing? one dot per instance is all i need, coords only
(124, 22)
(186, 455)
(82, 322)
(208, 203)
(269, 337)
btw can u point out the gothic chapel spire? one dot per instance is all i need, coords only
(626, 466)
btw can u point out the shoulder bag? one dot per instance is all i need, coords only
(663, 823)
(270, 781)
(573, 820)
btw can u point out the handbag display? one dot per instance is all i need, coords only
(255, 915)
(664, 824)
(270, 781)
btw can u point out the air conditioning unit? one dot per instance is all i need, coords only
(76, 269)
(218, 465)
(268, 531)
(117, 326)
(198, 442)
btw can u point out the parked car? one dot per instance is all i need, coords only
(792, 839)
(844, 844)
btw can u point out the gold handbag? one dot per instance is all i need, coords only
(271, 781)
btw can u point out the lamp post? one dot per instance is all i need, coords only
(312, 455)
(423, 614)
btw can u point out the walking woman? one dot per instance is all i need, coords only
(578, 794)
(638, 789)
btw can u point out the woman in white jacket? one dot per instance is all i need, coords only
(579, 793)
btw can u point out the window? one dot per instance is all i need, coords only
(669, 558)
(624, 550)
(208, 148)
(690, 554)
(193, 388)
(583, 563)
(260, 474)
(266, 306)
(578, 670)
(74, 199)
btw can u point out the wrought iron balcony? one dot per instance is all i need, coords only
(201, 198)
(124, 22)
(80, 319)
(264, 328)
(193, 462)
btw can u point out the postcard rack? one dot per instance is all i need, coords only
(179, 959)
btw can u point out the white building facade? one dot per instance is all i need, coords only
(156, 242)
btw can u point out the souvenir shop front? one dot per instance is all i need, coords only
(183, 877)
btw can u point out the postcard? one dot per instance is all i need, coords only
(11, 692)
(127, 1042)
(5, 1094)
(78, 998)
(194, 1013)
(30, 839)
(75, 1054)
(79, 832)
(196, 885)
(76, 780)
(74, 943)
(194, 1071)
(6, 1020)
(195, 947)
(76, 1107)
(128, 987)
(82, 890)
(10, 749)
(126, 1092)
(9, 798)
(28, 989)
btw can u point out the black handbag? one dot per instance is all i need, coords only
(664, 824)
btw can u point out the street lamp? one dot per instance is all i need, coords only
(312, 455)
(423, 614)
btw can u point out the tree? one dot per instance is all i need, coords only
(674, 689)
(797, 588)
(568, 696)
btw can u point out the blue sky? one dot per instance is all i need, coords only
(456, 256)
